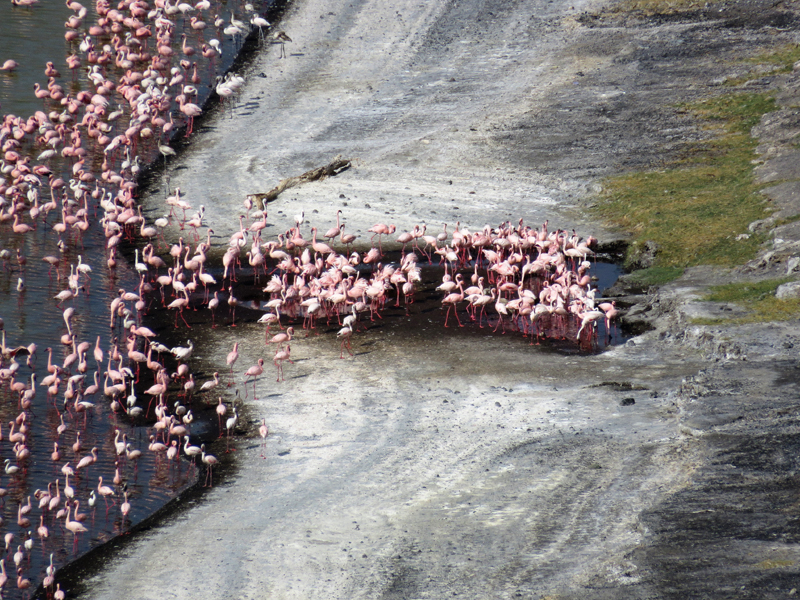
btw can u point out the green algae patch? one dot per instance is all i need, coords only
(775, 62)
(757, 297)
(697, 210)
(661, 7)
(774, 564)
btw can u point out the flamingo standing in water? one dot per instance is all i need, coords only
(380, 229)
(334, 231)
(451, 300)
(74, 526)
(104, 491)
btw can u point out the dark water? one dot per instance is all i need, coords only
(32, 36)
(425, 317)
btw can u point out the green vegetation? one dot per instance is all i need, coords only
(694, 210)
(654, 276)
(778, 61)
(783, 58)
(661, 7)
(772, 563)
(745, 293)
(758, 298)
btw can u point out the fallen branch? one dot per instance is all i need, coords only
(336, 166)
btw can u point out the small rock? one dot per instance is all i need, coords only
(627, 402)
(788, 291)
(792, 264)
(642, 256)
(761, 225)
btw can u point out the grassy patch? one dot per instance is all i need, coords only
(758, 298)
(661, 7)
(695, 209)
(774, 564)
(745, 293)
(654, 276)
(781, 60)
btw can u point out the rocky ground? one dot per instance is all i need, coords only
(470, 465)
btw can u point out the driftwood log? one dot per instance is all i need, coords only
(336, 166)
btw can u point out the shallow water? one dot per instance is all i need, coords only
(31, 315)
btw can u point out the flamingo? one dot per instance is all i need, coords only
(253, 372)
(74, 526)
(280, 356)
(230, 425)
(221, 409)
(103, 490)
(233, 356)
(263, 431)
(451, 300)
(345, 333)
(210, 385)
(209, 460)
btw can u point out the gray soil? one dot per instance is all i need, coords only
(462, 464)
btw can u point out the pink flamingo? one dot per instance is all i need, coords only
(230, 425)
(280, 356)
(233, 356)
(213, 304)
(334, 231)
(380, 229)
(280, 338)
(221, 410)
(74, 526)
(180, 304)
(103, 490)
(345, 333)
(451, 300)
(319, 247)
(209, 460)
(254, 372)
(191, 111)
(263, 431)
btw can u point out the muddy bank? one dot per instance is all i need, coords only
(434, 464)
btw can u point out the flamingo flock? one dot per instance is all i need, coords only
(69, 172)
(524, 279)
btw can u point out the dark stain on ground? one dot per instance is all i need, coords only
(733, 531)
